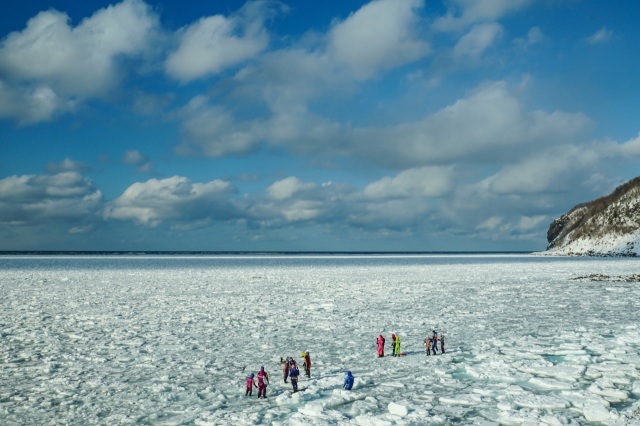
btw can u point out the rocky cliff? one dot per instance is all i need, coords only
(608, 226)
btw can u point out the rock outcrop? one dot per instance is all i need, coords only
(608, 226)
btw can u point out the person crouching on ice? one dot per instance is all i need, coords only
(250, 385)
(262, 386)
(348, 381)
(380, 346)
(427, 344)
(307, 363)
(293, 375)
(396, 347)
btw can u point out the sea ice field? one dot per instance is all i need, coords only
(169, 340)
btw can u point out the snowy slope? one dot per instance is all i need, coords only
(608, 226)
(129, 340)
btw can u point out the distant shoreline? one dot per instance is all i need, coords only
(238, 253)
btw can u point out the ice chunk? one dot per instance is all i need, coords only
(397, 409)
(542, 402)
(596, 413)
(550, 384)
(467, 400)
(608, 392)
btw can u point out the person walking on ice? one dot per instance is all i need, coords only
(293, 375)
(307, 363)
(396, 346)
(380, 341)
(348, 381)
(250, 385)
(262, 386)
(434, 342)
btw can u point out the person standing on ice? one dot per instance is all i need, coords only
(250, 385)
(262, 386)
(293, 374)
(348, 381)
(285, 368)
(442, 344)
(393, 344)
(292, 363)
(380, 346)
(307, 363)
(434, 342)
(427, 344)
(396, 346)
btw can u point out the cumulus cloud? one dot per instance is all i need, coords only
(489, 123)
(217, 42)
(381, 35)
(174, 199)
(286, 188)
(66, 165)
(477, 40)
(36, 199)
(418, 182)
(551, 170)
(51, 64)
(133, 157)
(31, 104)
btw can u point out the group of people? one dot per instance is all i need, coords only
(262, 386)
(290, 368)
(291, 371)
(431, 344)
(395, 345)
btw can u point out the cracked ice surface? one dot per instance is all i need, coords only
(170, 339)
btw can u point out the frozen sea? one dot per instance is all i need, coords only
(169, 340)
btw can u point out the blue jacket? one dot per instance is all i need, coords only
(348, 381)
(294, 373)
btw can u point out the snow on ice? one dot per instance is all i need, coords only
(170, 339)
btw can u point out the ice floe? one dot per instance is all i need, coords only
(162, 340)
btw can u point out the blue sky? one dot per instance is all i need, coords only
(390, 125)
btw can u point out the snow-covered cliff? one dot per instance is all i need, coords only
(608, 226)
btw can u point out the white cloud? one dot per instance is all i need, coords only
(487, 124)
(419, 182)
(477, 40)
(465, 12)
(66, 165)
(601, 36)
(552, 170)
(631, 147)
(47, 67)
(286, 188)
(215, 132)
(172, 199)
(534, 36)
(31, 104)
(215, 43)
(381, 35)
(37, 199)
(133, 157)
